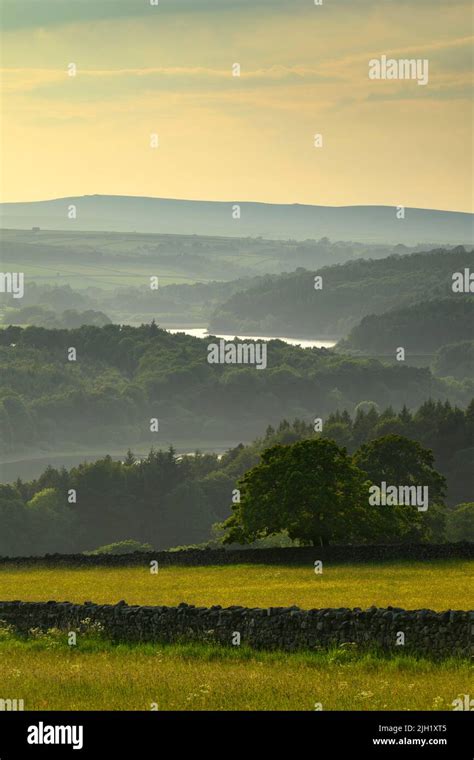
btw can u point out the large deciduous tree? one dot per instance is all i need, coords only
(311, 489)
(402, 462)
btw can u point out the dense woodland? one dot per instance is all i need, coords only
(423, 327)
(290, 304)
(123, 377)
(43, 316)
(455, 360)
(165, 500)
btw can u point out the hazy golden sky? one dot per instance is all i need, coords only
(167, 69)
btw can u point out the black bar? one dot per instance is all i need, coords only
(222, 734)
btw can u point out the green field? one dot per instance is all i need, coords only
(84, 260)
(96, 675)
(437, 585)
(108, 260)
(80, 276)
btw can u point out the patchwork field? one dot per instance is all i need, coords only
(437, 585)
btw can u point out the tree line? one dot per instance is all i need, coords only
(167, 500)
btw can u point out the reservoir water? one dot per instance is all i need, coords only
(201, 332)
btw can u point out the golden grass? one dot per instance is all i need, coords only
(436, 585)
(100, 676)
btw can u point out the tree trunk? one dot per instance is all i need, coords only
(320, 541)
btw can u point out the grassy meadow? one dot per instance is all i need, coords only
(100, 675)
(95, 675)
(436, 585)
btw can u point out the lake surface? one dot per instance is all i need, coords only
(201, 332)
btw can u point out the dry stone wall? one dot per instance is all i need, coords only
(433, 634)
(302, 555)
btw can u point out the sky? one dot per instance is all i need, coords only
(167, 70)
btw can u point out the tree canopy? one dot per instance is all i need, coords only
(317, 493)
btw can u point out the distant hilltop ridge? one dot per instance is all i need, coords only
(367, 224)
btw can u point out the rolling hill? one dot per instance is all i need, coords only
(275, 221)
(290, 305)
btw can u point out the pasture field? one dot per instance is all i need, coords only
(436, 585)
(108, 260)
(86, 275)
(98, 675)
